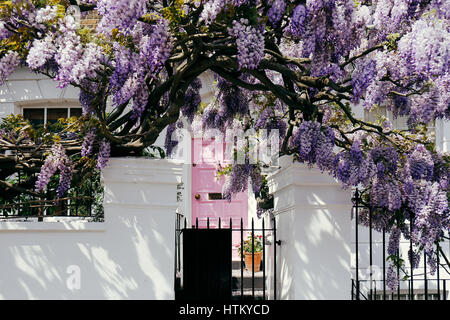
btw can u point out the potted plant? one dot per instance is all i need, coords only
(252, 251)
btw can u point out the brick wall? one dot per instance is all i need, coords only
(91, 19)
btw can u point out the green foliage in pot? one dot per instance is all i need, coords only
(249, 247)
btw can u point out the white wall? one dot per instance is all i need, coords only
(24, 86)
(129, 256)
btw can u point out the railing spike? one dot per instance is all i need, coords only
(264, 258)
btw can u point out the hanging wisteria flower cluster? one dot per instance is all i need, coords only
(103, 154)
(57, 160)
(7, 65)
(315, 144)
(88, 143)
(270, 121)
(250, 43)
(119, 14)
(192, 100)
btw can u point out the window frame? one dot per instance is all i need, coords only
(46, 104)
(46, 108)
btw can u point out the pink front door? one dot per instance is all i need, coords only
(207, 189)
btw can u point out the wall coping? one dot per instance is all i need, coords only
(145, 162)
(294, 207)
(143, 170)
(293, 173)
(66, 226)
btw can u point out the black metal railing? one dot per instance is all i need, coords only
(84, 201)
(178, 262)
(411, 287)
(433, 289)
(241, 289)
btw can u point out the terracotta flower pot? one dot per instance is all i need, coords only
(248, 261)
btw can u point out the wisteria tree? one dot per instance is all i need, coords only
(299, 67)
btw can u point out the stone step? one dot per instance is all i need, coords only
(247, 280)
(248, 295)
(236, 264)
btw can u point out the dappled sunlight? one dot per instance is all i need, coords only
(316, 199)
(318, 248)
(314, 227)
(27, 290)
(114, 284)
(109, 196)
(301, 251)
(285, 279)
(85, 251)
(126, 260)
(321, 224)
(148, 260)
(32, 261)
(4, 94)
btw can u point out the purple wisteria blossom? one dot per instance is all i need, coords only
(88, 143)
(276, 12)
(237, 181)
(296, 27)
(420, 163)
(121, 14)
(315, 145)
(192, 100)
(57, 160)
(392, 278)
(4, 32)
(250, 43)
(362, 77)
(104, 154)
(7, 65)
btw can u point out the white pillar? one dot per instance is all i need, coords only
(140, 199)
(313, 213)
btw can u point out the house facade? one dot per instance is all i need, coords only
(131, 255)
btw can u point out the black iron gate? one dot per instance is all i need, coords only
(373, 286)
(205, 250)
(205, 270)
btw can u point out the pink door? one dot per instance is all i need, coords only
(207, 189)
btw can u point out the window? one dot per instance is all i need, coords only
(40, 116)
(399, 123)
(36, 116)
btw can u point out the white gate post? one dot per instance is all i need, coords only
(140, 202)
(313, 215)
